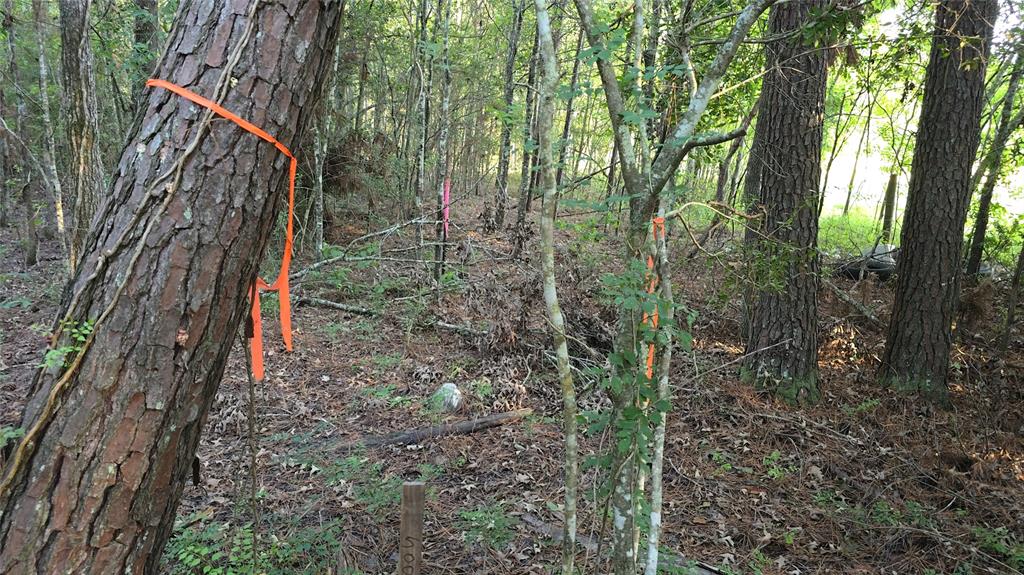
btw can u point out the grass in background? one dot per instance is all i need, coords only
(847, 235)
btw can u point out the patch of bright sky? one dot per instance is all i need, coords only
(872, 171)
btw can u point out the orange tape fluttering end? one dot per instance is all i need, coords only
(280, 284)
(657, 226)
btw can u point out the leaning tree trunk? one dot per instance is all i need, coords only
(86, 173)
(112, 428)
(928, 273)
(993, 162)
(782, 343)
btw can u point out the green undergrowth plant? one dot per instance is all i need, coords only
(199, 546)
(488, 525)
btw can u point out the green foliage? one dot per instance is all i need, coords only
(1002, 543)
(774, 468)
(77, 333)
(848, 235)
(387, 394)
(15, 302)
(9, 434)
(197, 547)
(488, 525)
(862, 407)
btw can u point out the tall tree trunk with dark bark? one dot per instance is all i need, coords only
(86, 177)
(496, 216)
(917, 350)
(782, 343)
(111, 431)
(992, 163)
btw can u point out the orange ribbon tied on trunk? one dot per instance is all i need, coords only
(657, 227)
(280, 284)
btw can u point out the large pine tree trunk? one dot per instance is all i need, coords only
(782, 341)
(928, 273)
(86, 174)
(162, 285)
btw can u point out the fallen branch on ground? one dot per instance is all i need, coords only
(315, 301)
(861, 309)
(436, 431)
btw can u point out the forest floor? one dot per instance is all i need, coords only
(867, 481)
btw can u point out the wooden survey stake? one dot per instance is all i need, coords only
(410, 548)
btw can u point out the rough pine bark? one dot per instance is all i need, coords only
(782, 343)
(162, 286)
(917, 350)
(86, 174)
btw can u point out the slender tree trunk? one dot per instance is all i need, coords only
(111, 433)
(86, 175)
(782, 346)
(319, 159)
(496, 216)
(526, 174)
(42, 20)
(1011, 304)
(928, 271)
(16, 158)
(837, 144)
(364, 72)
(889, 207)
(545, 119)
(443, 173)
(857, 155)
(425, 64)
(993, 160)
(567, 126)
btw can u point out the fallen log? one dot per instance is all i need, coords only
(436, 431)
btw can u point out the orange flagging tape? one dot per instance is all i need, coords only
(280, 284)
(657, 226)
